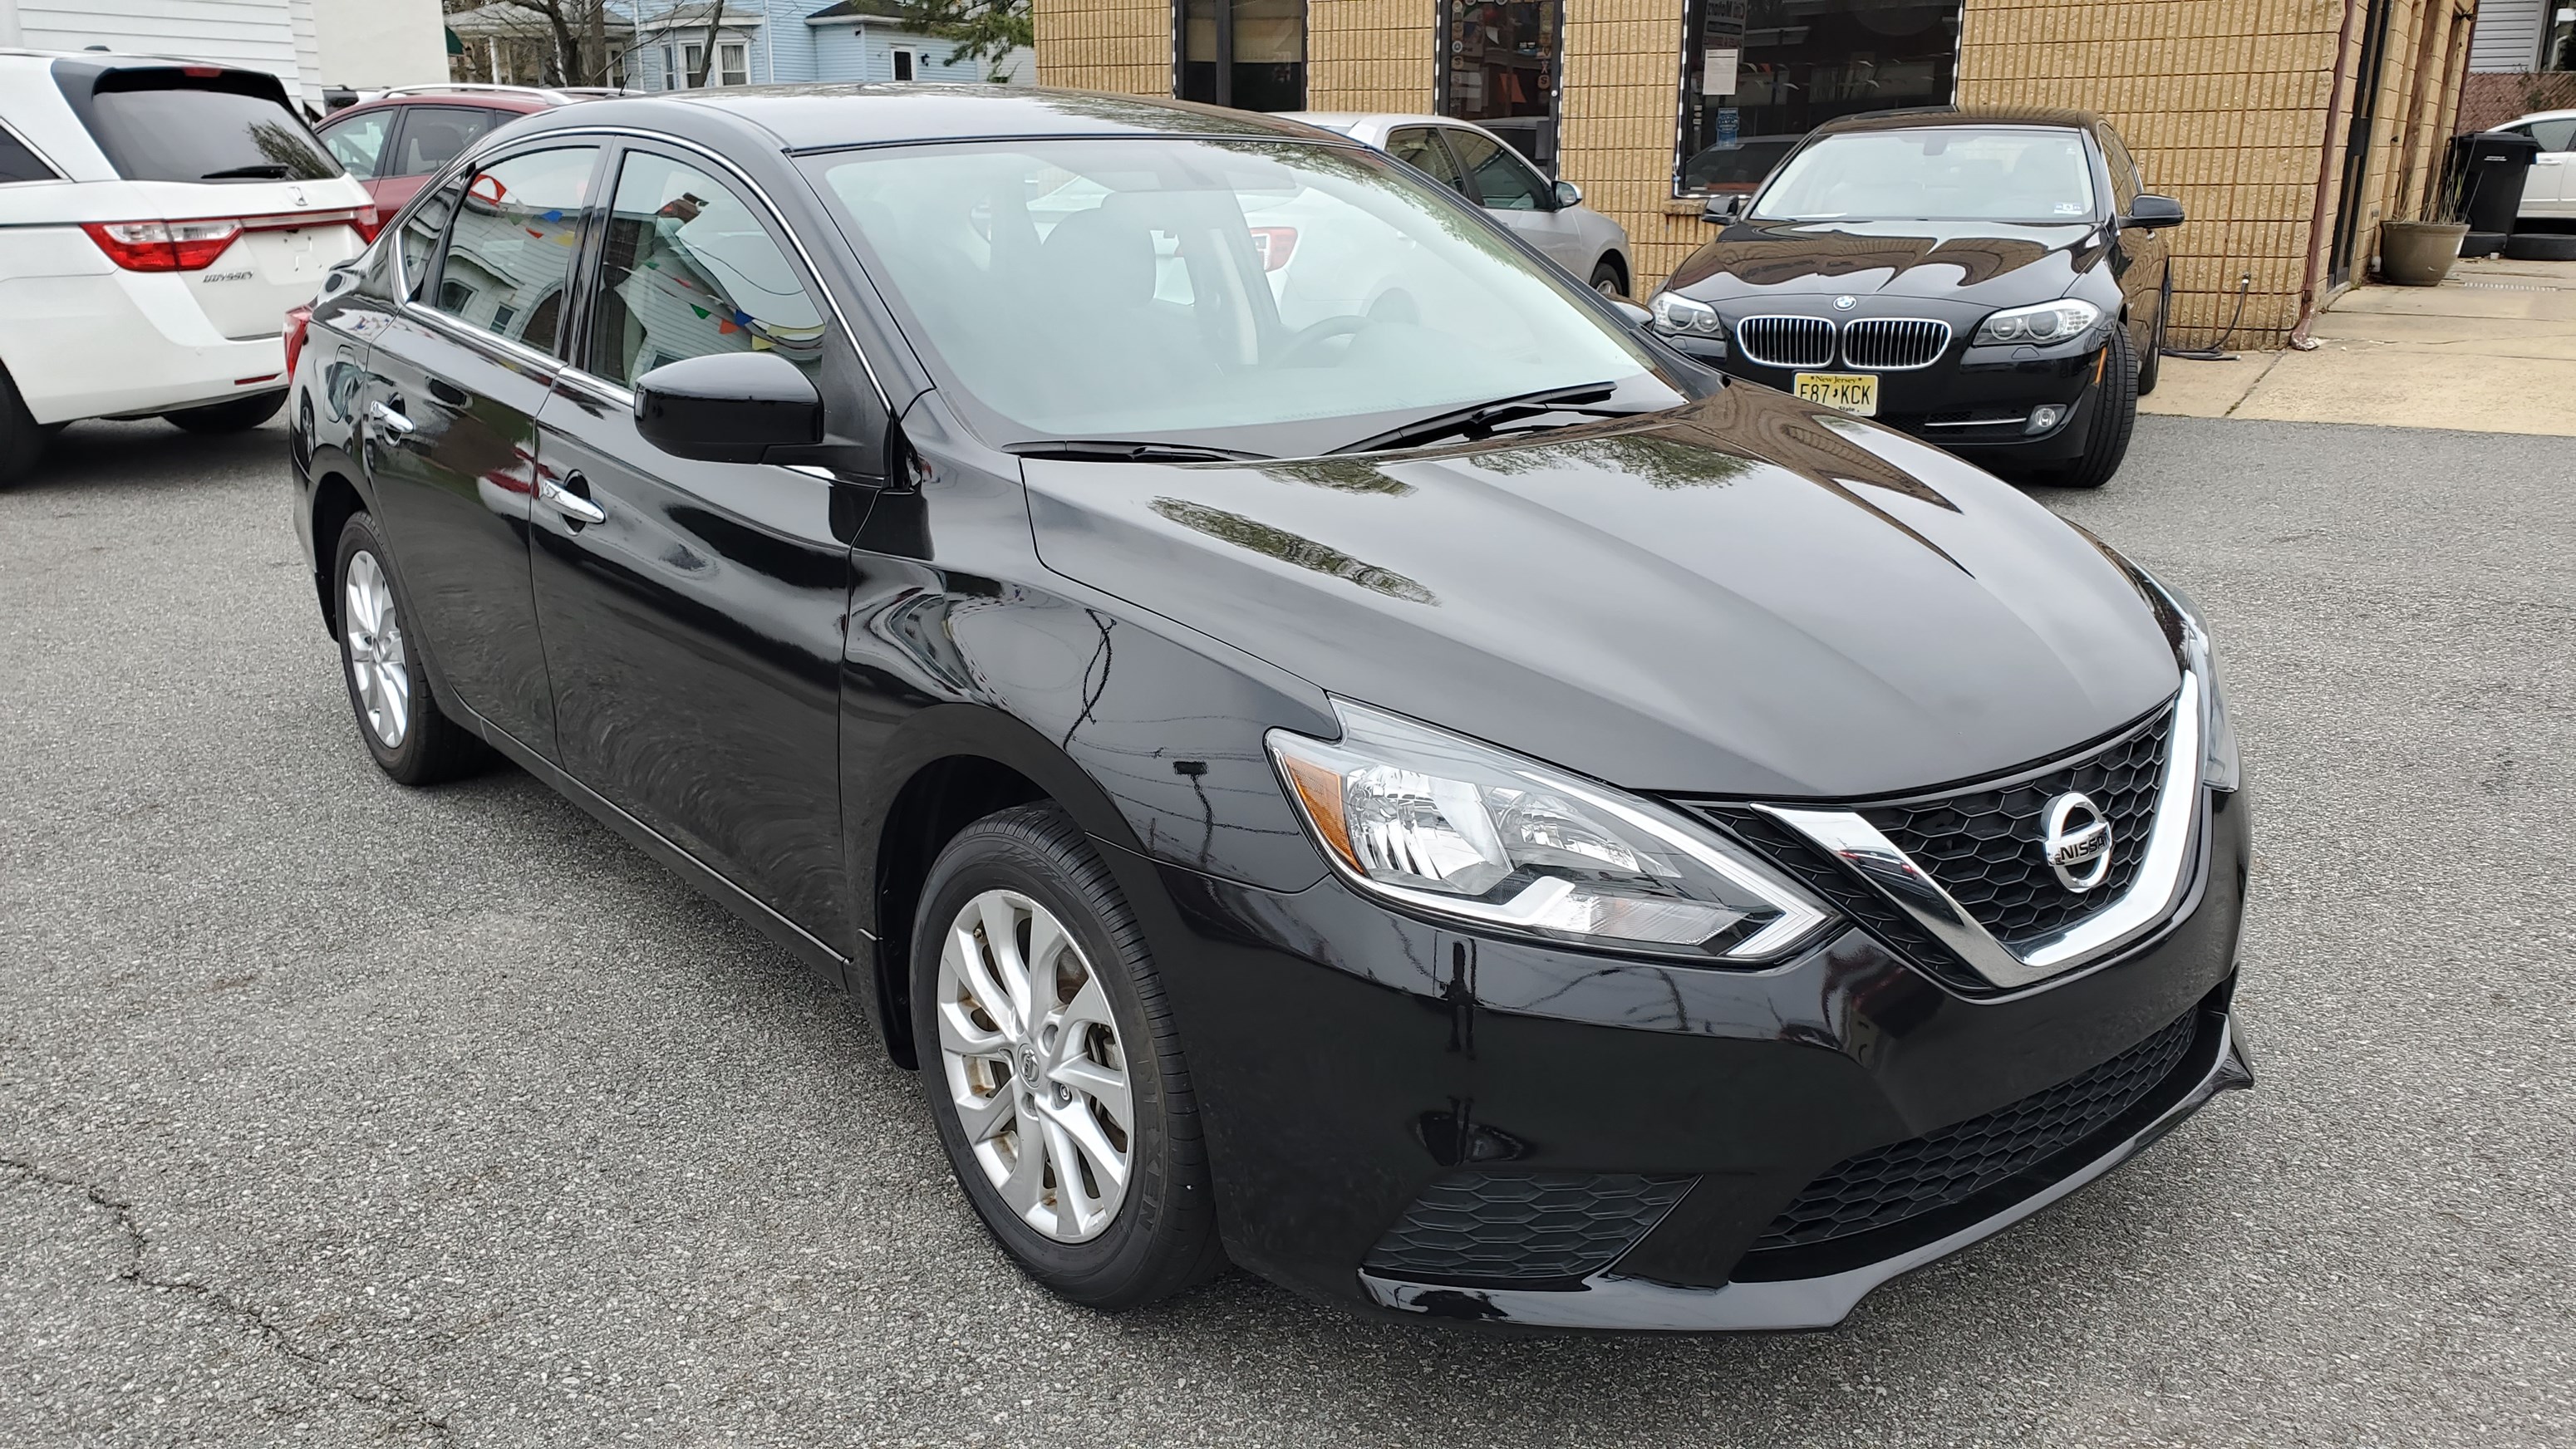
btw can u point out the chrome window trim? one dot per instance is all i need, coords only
(598, 387)
(2163, 875)
(1842, 342)
(474, 159)
(468, 332)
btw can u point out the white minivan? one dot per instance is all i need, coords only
(158, 219)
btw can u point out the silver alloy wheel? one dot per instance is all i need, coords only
(1034, 1067)
(1608, 288)
(379, 670)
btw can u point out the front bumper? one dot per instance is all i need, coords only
(1349, 1061)
(1973, 400)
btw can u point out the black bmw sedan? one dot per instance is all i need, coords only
(1991, 281)
(1344, 756)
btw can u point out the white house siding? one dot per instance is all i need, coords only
(255, 34)
(366, 44)
(2507, 37)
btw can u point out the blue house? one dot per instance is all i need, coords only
(758, 42)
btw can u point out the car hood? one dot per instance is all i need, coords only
(1983, 262)
(1748, 597)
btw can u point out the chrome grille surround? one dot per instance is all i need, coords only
(1894, 344)
(1782, 341)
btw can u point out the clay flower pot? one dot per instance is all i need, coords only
(2418, 253)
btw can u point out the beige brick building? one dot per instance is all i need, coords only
(2287, 147)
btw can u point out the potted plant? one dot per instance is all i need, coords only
(2419, 252)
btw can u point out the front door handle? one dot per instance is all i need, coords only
(391, 421)
(576, 509)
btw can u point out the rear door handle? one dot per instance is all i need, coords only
(390, 420)
(576, 509)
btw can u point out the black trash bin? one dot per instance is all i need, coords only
(2489, 168)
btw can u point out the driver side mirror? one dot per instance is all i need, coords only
(728, 407)
(2149, 213)
(1638, 317)
(1722, 209)
(1568, 195)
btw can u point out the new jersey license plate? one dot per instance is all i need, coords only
(1853, 392)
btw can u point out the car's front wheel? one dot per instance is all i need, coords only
(1052, 1066)
(2115, 417)
(402, 725)
(1609, 278)
(234, 415)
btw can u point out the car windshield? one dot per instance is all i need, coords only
(1938, 173)
(1259, 296)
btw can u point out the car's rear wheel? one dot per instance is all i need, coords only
(1052, 1066)
(1609, 278)
(401, 723)
(2115, 417)
(22, 438)
(233, 415)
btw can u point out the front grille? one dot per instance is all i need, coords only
(1884, 1187)
(1522, 1227)
(1983, 845)
(1894, 344)
(1846, 893)
(1786, 341)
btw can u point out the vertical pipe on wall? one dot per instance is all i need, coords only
(2317, 239)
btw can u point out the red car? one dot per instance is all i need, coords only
(401, 138)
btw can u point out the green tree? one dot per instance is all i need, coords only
(988, 30)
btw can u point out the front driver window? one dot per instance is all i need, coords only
(1503, 182)
(689, 270)
(421, 232)
(511, 253)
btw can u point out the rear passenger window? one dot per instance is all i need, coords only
(17, 163)
(688, 270)
(1420, 148)
(2558, 135)
(162, 124)
(359, 142)
(420, 234)
(432, 136)
(511, 249)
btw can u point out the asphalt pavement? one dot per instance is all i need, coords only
(335, 1113)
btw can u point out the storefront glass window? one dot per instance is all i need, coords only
(1250, 54)
(1757, 75)
(1498, 69)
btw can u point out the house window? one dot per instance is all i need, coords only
(1246, 53)
(1498, 68)
(2558, 41)
(670, 82)
(733, 63)
(691, 57)
(903, 65)
(1757, 75)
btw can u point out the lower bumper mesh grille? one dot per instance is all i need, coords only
(1891, 1184)
(1523, 1227)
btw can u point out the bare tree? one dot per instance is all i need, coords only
(707, 50)
(564, 22)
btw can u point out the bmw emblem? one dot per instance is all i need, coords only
(1845, 304)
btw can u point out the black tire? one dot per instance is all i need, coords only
(22, 438)
(2152, 366)
(429, 747)
(2537, 246)
(2115, 416)
(1161, 1236)
(233, 415)
(1609, 278)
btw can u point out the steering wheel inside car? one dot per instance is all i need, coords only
(1316, 334)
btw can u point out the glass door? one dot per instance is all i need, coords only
(1498, 68)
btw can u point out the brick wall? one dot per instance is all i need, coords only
(2495, 97)
(1371, 55)
(1105, 45)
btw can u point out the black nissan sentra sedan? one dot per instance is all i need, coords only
(1374, 769)
(1991, 281)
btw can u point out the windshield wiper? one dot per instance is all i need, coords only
(263, 171)
(1479, 421)
(1115, 450)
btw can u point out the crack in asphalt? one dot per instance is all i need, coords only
(405, 1410)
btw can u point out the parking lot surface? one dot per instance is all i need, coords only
(335, 1113)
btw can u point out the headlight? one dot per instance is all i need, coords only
(1679, 315)
(1454, 828)
(2058, 321)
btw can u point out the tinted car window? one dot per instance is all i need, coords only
(435, 135)
(2125, 182)
(1419, 147)
(359, 142)
(17, 163)
(2559, 135)
(421, 233)
(164, 125)
(512, 246)
(688, 270)
(1503, 180)
(1938, 173)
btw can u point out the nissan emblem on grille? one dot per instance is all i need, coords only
(2076, 841)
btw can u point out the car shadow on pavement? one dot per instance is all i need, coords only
(109, 453)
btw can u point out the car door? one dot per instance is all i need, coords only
(692, 611)
(2138, 255)
(455, 383)
(2547, 189)
(1513, 193)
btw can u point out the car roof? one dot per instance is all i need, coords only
(827, 117)
(2536, 116)
(521, 103)
(1923, 116)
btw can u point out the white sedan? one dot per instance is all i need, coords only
(2546, 192)
(1482, 167)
